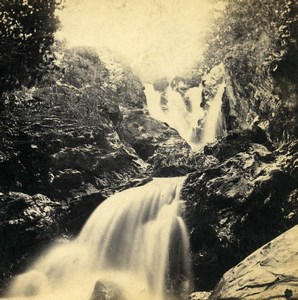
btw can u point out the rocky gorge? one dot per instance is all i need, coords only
(48, 151)
(85, 132)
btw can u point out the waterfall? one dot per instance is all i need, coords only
(136, 239)
(196, 124)
(213, 117)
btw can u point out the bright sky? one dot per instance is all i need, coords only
(156, 37)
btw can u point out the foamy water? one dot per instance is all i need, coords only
(135, 239)
(185, 120)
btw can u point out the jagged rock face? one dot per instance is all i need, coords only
(269, 273)
(66, 160)
(238, 204)
(27, 223)
(158, 144)
(237, 141)
(80, 135)
(268, 101)
(60, 138)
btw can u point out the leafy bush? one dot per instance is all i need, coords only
(266, 32)
(27, 30)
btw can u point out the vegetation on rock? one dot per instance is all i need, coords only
(74, 127)
(258, 42)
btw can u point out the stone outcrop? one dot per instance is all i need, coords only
(238, 203)
(158, 145)
(200, 296)
(271, 272)
(27, 223)
(269, 102)
(60, 138)
(106, 291)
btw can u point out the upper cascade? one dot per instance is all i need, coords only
(136, 239)
(194, 112)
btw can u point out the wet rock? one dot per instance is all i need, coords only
(200, 296)
(237, 205)
(27, 223)
(271, 272)
(25, 210)
(204, 162)
(81, 203)
(158, 145)
(106, 291)
(211, 81)
(238, 141)
(161, 84)
(68, 179)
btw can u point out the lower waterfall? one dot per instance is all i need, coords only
(135, 239)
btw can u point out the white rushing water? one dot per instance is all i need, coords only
(213, 117)
(185, 119)
(136, 239)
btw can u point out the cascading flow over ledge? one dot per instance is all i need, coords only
(197, 119)
(135, 239)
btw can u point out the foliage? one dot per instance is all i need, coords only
(83, 86)
(79, 90)
(257, 40)
(78, 87)
(264, 31)
(27, 30)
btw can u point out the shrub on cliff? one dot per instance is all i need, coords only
(265, 31)
(77, 87)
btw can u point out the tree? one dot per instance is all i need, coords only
(266, 31)
(27, 30)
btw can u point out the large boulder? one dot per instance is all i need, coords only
(238, 204)
(107, 291)
(158, 145)
(271, 272)
(237, 141)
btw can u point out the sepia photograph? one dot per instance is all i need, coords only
(148, 150)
